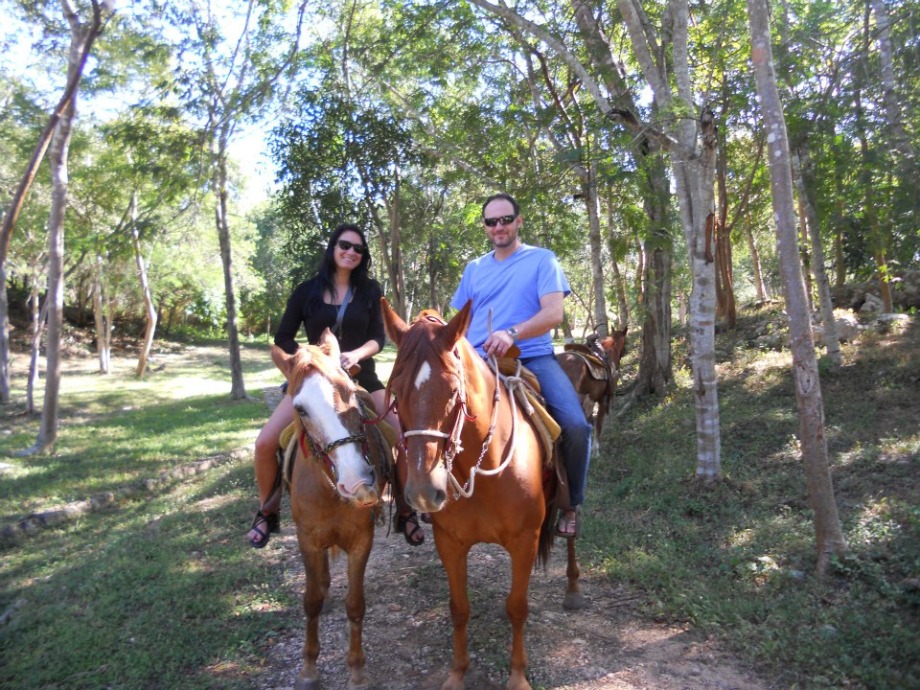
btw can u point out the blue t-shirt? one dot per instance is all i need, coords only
(512, 290)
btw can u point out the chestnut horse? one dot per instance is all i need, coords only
(334, 489)
(476, 465)
(593, 390)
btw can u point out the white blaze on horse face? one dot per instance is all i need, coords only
(424, 373)
(317, 397)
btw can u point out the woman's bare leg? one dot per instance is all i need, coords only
(265, 458)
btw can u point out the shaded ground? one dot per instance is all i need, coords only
(407, 634)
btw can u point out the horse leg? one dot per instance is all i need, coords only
(355, 607)
(522, 560)
(599, 422)
(454, 560)
(316, 565)
(573, 599)
(587, 404)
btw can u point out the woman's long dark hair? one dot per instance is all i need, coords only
(325, 271)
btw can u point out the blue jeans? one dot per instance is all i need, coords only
(565, 407)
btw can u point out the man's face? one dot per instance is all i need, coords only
(502, 234)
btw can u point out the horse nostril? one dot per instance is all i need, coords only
(440, 497)
(300, 409)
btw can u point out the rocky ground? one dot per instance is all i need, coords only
(407, 634)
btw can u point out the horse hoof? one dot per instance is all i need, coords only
(573, 601)
(307, 684)
(453, 683)
(358, 681)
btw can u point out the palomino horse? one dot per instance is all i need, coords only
(334, 490)
(595, 384)
(476, 465)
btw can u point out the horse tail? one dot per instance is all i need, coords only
(548, 528)
(547, 534)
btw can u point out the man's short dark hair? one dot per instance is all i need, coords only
(507, 197)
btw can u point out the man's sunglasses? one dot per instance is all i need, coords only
(504, 220)
(345, 245)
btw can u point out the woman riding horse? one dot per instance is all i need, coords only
(341, 297)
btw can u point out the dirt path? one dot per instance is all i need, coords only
(407, 634)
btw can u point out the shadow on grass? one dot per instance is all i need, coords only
(91, 455)
(737, 558)
(155, 594)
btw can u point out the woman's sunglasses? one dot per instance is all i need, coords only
(345, 245)
(504, 220)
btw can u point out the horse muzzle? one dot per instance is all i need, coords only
(364, 496)
(427, 493)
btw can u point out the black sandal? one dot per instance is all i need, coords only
(409, 527)
(272, 524)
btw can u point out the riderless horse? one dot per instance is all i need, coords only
(476, 464)
(593, 370)
(339, 472)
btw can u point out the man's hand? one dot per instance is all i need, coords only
(498, 344)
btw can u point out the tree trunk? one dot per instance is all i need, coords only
(103, 350)
(641, 273)
(828, 532)
(726, 307)
(655, 371)
(4, 338)
(82, 38)
(694, 192)
(899, 139)
(619, 282)
(237, 387)
(399, 279)
(877, 238)
(601, 327)
(60, 144)
(150, 310)
(825, 302)
(755, 263)
(39, 313)
(805, 257)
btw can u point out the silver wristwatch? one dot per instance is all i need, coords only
(513, 333)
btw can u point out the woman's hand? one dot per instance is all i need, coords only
(349, 359)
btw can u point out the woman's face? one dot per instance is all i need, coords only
(348, 259)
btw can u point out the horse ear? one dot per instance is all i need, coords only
(329, 344)
(396, 327)
(456, 327)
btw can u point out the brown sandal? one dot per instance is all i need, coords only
(409, 527)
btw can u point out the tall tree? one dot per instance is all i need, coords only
(83, 32)
(828, 532)
(892, 102)
(83, 35)
(234, 84)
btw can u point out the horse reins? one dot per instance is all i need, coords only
(453, 445)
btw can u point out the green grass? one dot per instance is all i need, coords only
(737, 559)
(159, 590)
